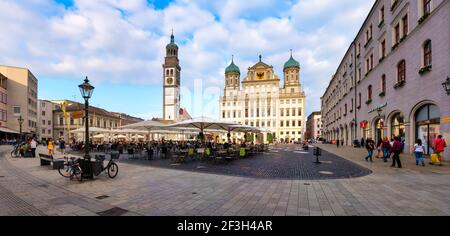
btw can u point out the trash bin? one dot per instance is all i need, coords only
(58, 164)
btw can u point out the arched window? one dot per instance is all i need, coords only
(398, 125)
(427, 52)
(427, 121)
(401, 71)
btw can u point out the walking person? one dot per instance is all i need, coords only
(62, 146)
(418, 151)
(396, 149)
(385, 147)
(370, 146)
(337, 143)
(439, 147)
(379, 153)
(362, 143)
(50, 147)
(33, 145)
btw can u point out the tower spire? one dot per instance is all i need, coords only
(260, 58)
(291, 52)
(172, 38)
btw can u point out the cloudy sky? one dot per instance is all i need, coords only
(120, 45)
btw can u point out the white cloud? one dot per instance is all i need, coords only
(123, 41)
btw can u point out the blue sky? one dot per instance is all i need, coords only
(120, 45)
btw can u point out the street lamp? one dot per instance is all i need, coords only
(86, 90)
(20, 120)
(446, 85)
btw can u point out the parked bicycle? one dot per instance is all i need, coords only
(71, 169)
(112, 168)
(16, 151)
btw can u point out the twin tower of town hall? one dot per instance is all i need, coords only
(260, 102)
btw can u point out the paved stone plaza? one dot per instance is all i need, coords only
(28, 189)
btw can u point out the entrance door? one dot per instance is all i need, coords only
(428, 126)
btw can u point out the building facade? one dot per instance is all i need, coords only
(261, 102)
(45, 119)
(3, 106)
(314, 126)
(171, 83)
(389, 82)
(21, 99)
(63, 124)
(126, 119)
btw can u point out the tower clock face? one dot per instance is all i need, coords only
(170, 81)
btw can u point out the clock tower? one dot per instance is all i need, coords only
(171, 83)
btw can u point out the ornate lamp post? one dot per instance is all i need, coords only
(446, 85)
(20, 120)
(86, 90)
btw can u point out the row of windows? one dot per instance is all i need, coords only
(49, 122)
(98, 123)
(49, 131)
(293, 133)
(32, 124)
(286, 123)
(3, 98)
(401, 76)
(3, 115)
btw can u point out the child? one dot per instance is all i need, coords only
(418, 151)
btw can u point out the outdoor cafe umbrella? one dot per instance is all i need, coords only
(91, 130)
(203, 123)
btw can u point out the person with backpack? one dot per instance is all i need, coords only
(439, 147)
(370, 146)
(418, 151)
(396, 149)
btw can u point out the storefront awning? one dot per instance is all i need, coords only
(6, 130)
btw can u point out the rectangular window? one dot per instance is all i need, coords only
(61, 121)
(382, 14)
(397, 33)
(405, 25)
(43, 122)
(16, 110)
(49, 122)
(299, 124)
(383, 48)
(426, 7)
(401, 71)
(383, 83)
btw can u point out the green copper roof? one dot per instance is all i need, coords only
(232, 67)
(172, 42)
(292, 63)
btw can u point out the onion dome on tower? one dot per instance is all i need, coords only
(291, 63)
(232, 67)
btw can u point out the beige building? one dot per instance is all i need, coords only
(3, 106)
(314, 126)
(261, 102)
(45, 119)
(22, 88)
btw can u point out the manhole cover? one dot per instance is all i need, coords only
(116, 211)
(306, 184)
(194, 193)
(102, 197)
(176, 164)
(327, 162)
(326, 172)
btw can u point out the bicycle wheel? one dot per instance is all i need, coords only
(65, 171)
(113, 170)
(76, 173)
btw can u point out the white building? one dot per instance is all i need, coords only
(261, 102)
(314, 126)
(45, 119)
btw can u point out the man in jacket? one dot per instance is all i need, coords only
(396, 149)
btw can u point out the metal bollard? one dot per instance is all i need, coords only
(317, 152)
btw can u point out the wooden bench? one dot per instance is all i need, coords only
(47, 160)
